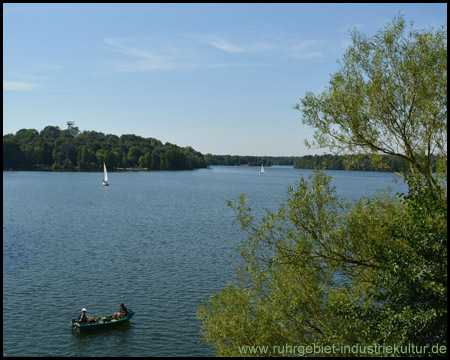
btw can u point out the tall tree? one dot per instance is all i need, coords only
(323, 272)
(389, 96)
(86, 159)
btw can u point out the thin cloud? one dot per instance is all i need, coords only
(306, 49)
(141, 65)
(18, 85)
(225, 45)
(308, 55)
(146, 60)
(228, 46)
(30, 77)
(119, 45)
(187, 52)
(174, 54)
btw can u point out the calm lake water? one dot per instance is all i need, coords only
(160, 242)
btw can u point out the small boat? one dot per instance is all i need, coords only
(103, 323)
(262, 170)
(105, 176)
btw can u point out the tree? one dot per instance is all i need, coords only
(155, 161)
(323, 272)
(124, 162)
(86, 159)
(301, 265)
(133, 156)
(388, 97)
(58, 159)
(37, 155)
(162, 161)
(112, 159)
(64, 152)
(50, 133)
(100, 155)
(175, 160)
(13, 157)
(145, 160)
(414, 276)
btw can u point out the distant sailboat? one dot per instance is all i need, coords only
(262, 170)
(105, 176)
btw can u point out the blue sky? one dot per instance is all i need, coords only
(222, 78)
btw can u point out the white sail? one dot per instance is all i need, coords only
(105, 175)
(262, 169)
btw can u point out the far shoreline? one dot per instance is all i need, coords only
(49, 169)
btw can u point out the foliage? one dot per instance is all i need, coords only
(352, 162)
(413, 284)
(87, 150)
(388, 97)
(13, 156)
(325, 272)
(238, 160)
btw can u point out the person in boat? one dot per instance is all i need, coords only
(83, 318)
(122, 313)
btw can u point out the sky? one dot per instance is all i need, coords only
(221, 78)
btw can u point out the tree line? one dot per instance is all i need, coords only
(359, 162)
(355, 162)
(72, 150)
(240, 160)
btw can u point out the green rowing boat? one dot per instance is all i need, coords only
(106, 322)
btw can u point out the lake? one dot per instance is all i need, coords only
(160, 242)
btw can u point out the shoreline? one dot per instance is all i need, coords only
(48, 169)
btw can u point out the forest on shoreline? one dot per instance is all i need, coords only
(248, 160)
(327, 162)
(72, 150)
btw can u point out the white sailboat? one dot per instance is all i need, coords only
(105, 176)
(262, 170)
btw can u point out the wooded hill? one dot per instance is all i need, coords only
(70, 149)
